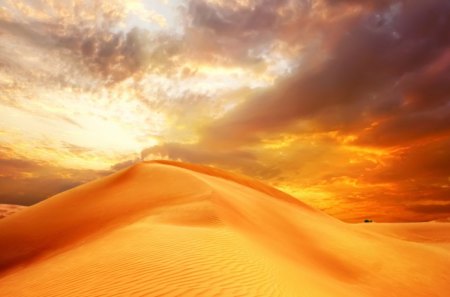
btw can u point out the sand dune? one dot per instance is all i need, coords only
(171, 229)
(9, 209)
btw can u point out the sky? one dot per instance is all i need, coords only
(344, 104)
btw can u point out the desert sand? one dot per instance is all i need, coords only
(9, 209)
(173, 229)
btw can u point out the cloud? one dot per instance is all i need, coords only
(124, 164)
(119, 56)
(373, 3)
(33, 190)
(95, 33)
(427, 162)
(237, 160)
(26, 182)
(12, 165)
(440, 209)
(372, 52)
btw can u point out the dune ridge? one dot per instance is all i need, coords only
(174, 229)
(240, 179)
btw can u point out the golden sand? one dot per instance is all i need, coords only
(172, 229)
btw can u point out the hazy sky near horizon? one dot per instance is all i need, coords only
(344, 104)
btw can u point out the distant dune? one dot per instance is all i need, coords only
(173, 229)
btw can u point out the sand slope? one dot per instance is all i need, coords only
(9, 209)
(171, 229)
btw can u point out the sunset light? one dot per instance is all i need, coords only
(342, 105)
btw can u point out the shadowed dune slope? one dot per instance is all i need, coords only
(173, 229)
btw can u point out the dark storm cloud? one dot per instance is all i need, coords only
(372, 54)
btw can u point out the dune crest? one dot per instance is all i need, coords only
(173, 229)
